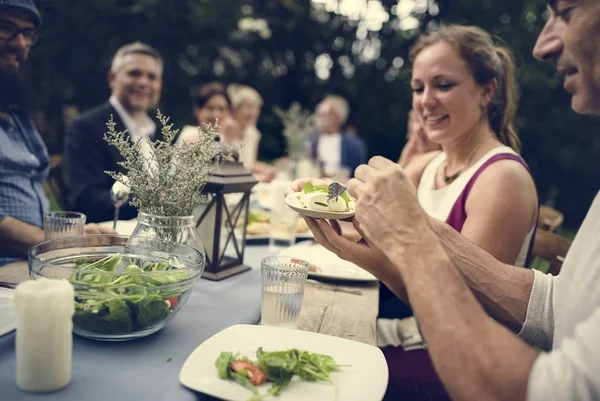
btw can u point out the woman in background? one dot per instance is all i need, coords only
(211, 104)
(246, 104)
(417, 142)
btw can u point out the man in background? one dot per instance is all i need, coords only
(24, 161)
(333, 148)
(135, 79)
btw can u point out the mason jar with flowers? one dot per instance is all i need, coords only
(166, 178)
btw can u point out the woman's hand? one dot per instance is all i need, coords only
(361, 252)
(231, 131)
(94, 228)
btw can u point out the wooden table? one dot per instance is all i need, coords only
(14, 272)
(328, 308)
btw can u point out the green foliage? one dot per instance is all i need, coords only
(200, 41)
(168, 181)
(298, 124)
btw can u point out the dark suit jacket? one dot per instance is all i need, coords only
(353, 150)
(87, 157)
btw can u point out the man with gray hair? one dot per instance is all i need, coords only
(333, 148)
(135, 79)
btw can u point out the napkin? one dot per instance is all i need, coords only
(403, 333)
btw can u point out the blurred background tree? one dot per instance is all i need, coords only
(301, 50)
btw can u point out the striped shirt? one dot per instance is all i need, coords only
(24, 167)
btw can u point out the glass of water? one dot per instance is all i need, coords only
(63, 224)
(282, 233)
(283, 281)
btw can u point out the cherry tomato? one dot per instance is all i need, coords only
(255, 375)
(173, 301)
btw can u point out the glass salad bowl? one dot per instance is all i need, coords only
(125, 287)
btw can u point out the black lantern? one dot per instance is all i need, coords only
(222, 220)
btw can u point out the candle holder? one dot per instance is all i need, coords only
(222, 220)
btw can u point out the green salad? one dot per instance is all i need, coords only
(309, 187)
(278, 368)
(123, 302)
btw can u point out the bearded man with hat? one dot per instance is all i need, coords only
(24, 160)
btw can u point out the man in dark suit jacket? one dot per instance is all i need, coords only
(135, 79)
(331, 146)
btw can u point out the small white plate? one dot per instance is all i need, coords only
(299, 236)
(264, 201)
(317, 214)
(365, 380)
(7, 311)
(124, 227)
(329, 265)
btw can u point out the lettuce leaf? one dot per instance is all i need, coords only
(308, 187)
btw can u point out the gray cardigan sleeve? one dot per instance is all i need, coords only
(538, 329)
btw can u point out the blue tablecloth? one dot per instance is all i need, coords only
(148, 369)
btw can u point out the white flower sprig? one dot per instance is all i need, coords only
(297, 125)
(168, 181)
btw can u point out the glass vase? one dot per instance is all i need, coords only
(303, 167)
(178, 229)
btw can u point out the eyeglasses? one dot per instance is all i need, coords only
(9, 31)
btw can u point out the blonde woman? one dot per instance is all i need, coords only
(246, 104)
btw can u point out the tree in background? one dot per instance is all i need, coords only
(301, 50)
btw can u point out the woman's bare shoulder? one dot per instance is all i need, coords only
(507, 182)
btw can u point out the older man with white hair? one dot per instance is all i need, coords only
(333, 148)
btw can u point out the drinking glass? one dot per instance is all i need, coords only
(340, 174)
(282, 232)
(63, 224)
(283, 281)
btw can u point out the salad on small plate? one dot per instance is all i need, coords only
(313, 201)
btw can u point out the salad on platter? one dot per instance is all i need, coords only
(277, 368)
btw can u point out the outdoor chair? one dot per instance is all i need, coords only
(551, 248)
(549, 219)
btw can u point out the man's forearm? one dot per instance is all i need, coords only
(475, 357)
(16, 237)
(503, 290)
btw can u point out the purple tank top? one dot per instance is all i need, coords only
(458, 215)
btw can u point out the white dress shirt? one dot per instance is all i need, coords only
(137, 129)
(329, 151)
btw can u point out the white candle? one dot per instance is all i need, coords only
(44, 311)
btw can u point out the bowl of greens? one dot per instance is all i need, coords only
(125, 287)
